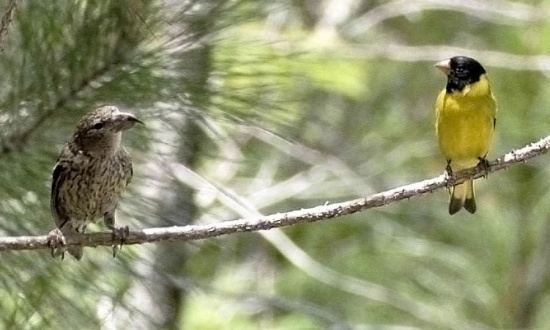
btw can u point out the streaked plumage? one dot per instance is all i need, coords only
(91, 174)
(465, 122)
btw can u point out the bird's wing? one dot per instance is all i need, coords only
(59, 175)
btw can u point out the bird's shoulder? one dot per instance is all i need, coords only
(73, 156)
(456, 103)
(70, 159)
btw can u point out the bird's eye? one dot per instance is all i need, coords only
(98, 126)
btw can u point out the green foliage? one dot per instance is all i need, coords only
(279, 105)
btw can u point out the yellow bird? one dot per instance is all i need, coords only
(465, 118)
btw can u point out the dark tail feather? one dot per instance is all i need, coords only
(463, 196)
(455, 204)
(76, 252)
(470, 201)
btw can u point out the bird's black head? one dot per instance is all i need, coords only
(461, 71)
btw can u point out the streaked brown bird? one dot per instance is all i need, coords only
(91, 173)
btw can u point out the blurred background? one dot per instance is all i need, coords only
(255, 107)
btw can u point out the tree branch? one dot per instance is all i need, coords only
(499, 12)
(406, 53)
(6, 19)
(17, 140)
(323, 212)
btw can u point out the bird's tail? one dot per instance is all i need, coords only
(463, 195)
(75, 251)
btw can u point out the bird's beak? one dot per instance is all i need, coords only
(131, 118)
(126, 120)
(444, 66)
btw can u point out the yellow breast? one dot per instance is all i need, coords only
(465, 123)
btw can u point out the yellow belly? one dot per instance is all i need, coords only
(464, 126)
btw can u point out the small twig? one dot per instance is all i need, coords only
(323, 212)
(6, 19)
(499, 12)
(405, 53)
(19, 139)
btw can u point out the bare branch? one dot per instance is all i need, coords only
(405, 53)
(248, 206)
(496, 11)
(6, 19)
(323, 212)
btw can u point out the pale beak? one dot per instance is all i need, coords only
(444, 66)
(125, 120)
(130, 117)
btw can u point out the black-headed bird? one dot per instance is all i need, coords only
(465, 118)
(90, 176)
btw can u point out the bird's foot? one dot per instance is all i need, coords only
(449, 175)
(484, 166)
(119, 235)
(57, 242)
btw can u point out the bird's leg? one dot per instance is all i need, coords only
(56, 242)
(449, 175)
(483, 165)
(119, 234)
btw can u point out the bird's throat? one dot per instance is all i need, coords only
(104, 146)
